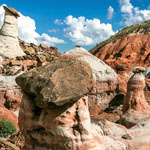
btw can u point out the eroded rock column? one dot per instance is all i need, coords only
(9, 44)
(135, 106)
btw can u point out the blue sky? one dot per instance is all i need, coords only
(65, 23)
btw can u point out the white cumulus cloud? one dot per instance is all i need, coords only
(46, 39)
(110, 12)
(27, 31)
(84, 31)
(131, 14)
(126, 6)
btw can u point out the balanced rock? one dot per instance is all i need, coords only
(9, 44)
(135, 106)
(54, 110)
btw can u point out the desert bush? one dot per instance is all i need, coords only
(6, 128)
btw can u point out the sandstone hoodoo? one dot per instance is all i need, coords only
(55, 107)
(135, 106)
(9, 43)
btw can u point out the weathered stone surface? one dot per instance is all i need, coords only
(105, 79)
(135, 107)
(140, 136)
(15, 63)
(12, 10)
(9, 44)
(66, 128)
(63, 82)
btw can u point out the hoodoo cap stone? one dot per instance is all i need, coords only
(11, 10)
(58, 83)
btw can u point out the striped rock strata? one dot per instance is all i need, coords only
(9, 44)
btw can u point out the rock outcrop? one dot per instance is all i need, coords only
(135, 107)
(9, 43)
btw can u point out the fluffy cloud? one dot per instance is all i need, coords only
(58, 22)
(133, 14)
(126, 6)
(84, 31)
(27, 31)
(110, 13)
(46, 39)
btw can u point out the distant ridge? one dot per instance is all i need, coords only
(141, 28)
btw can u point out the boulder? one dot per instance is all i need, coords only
(29, 51)
(63, 82)
(54, 110)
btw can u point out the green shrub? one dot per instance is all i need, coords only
(6, 128)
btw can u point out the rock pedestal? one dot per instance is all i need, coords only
(54, 112)
(135, 106)
(9, 44)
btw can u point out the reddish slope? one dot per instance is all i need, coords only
(129, 51)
